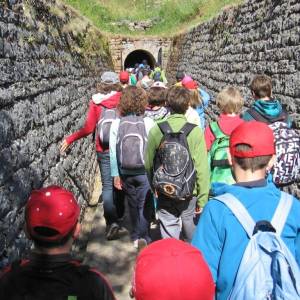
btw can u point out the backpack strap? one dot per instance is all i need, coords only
(282, 212)
(239, 211)
(187, 128)
(165, 127)
(216, 130)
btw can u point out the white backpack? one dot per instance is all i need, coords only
(108, 115)
(268, 270)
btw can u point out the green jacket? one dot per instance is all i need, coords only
(162, 74)
(197, 149)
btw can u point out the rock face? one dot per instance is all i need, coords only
(257, 37)
(50, 61)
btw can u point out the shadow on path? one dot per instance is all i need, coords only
(115, 259)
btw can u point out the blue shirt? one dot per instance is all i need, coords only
(200, 109)
(221, 238)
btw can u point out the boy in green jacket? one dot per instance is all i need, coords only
(173, 214)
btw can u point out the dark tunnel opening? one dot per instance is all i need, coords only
(137, 56)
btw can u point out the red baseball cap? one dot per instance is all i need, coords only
(257, 135)
(124, 76)
(53, 207)
(191, 85)
(171, 269)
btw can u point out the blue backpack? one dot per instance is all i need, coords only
(268, 270)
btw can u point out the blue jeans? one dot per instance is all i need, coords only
(176, 217)
(137, 191)
(113, 202)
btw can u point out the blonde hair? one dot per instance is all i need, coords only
(195, 99)
(230, 100)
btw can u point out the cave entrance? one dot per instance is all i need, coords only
(137, 56)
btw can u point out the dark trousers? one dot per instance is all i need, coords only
(137, 191)
(113, 200)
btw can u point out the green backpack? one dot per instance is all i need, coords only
(217, 156)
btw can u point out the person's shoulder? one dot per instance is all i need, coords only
(155, 128)
(215, 206)
(100, 283)
(87, 272)
(92, 279)
(246, 116)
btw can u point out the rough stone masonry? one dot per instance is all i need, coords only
(260, 36)
(45, 85)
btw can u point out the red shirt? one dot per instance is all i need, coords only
(226, 123)
(92, 118)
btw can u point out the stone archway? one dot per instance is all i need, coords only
(137, 56)
(128, 51)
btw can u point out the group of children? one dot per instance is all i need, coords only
(151, 149)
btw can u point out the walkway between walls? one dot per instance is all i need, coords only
(114, 259)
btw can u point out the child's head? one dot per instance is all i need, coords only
(179, 76)
(172, 269)
(261, 87)
(124, 77)
(157, 95)
(252, 146)
(133, 101)
(178, 99)
(230, 100)
(51, 216)
(145, 72)
(109, 82)
(195, 98)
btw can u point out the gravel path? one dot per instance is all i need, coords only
(115, 259)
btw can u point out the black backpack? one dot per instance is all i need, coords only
(174, 171)
(286, 169)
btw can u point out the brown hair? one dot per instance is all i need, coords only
(157, 96)
(251, 163)
(105, 88)
(133, 100)
(230, 100)
(261, 86)
(195, 99)
(178, 99)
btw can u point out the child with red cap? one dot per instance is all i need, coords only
(51, 222)
(171, 269)
(124, 78)
(199, 99)
(219, 235)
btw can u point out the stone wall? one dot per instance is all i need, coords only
(260, 36)
(50, 60)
